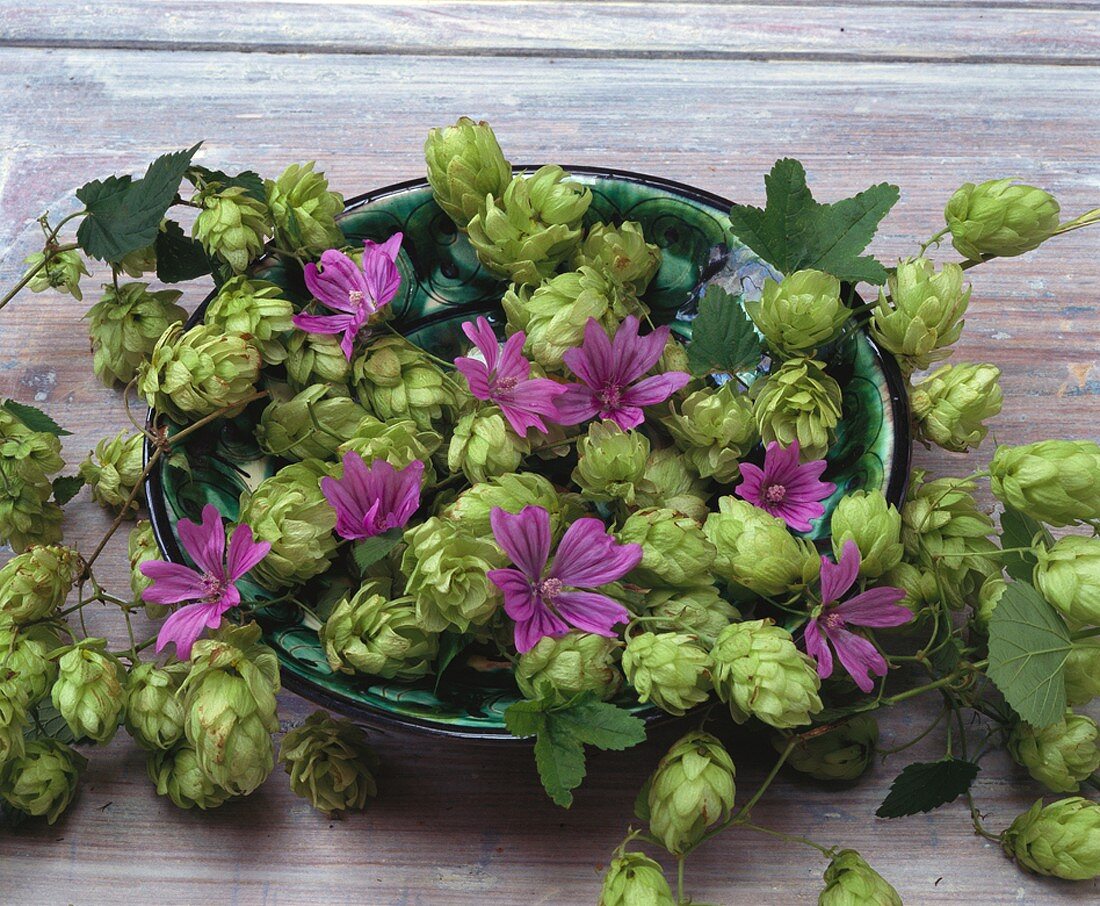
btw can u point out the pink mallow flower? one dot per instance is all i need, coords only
(876, 608)
(212, 589)
(785, 488)
(587, 557)
(356, 292)
(504, 378)
(609, 369)
(372, 500)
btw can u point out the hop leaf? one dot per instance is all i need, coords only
(921, 787)
(722, 336)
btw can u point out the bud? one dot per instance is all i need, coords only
(525, 233)
(316, 358)
(675, 552)
(621, 252)
(1054, 481)
(330, 763)
(920, 314)
(33, 585)
(125, 325)
(142, 548)
(611, 463)
(14, 716)
(154, 712)
(114, 469)
(25, 652)
(176, 774)
(511, 492)
(715, 429)
(89, 691)
(304, 211)
(799, 402)
(800, 314)
(289, 511)
(256, 310)
(842, 753)
(569, 665)
(674, 483)
(951, 405)
(997, 218)
(850, 881)
(698, 611)
(42, 781)
(756, 552)
(1059, 756)
(310, 425)
(141, 261)
(232, 225)
(62, 272)
(671, 669)
(760, 673)
(369, 634)
(691, 790)
(989, 596)
(395, 379)
(197, 372)
(484, 446)
(634, 879)
(1061, 839)
(446, 569)
(465, 164)
(874, 524)
(1068, 576)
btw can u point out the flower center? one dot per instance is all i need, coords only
(548, 589)
(355, 297)
(775, 493)
(610, 396)
(212, 588)
(833, 620)
(505, 384)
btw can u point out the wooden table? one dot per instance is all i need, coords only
(924, 94)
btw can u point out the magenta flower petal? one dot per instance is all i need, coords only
(785, 488)
(529, 403)
(244, 552)
(372, 500)
(524, 537)
(591, 611)
(587, 556)
(184, 626)
(818, 648)
(324, 323)
(593, 362)
(172, 582)
(859, 657)
(543, 623)
(837, 578)
(655, 389)
(876, 607)
(380, 271)
(336, 280)
(520, 600)
(205, 542)
(511, 365)
(476, 374)
(576, 404)
(634, 355)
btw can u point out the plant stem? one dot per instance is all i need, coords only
(680, 879)
(935, 240)
(29, 275)
(790, 838)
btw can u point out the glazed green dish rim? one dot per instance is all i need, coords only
(896, 412)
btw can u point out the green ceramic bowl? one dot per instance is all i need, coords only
(443, 285)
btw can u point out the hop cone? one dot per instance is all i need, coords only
(14, 716)
(842, 753)
(999, 218)
(304, 211)
(484, 446)
(669, 481)
(27, 515)
(692, 789)
(154, 711)
(569, 665)
(621, 252)
(316, 358)
(42, 781)
(919, 584)
(398, 441)
(232, 225)
(124, 327)
(61, 272)
(1054, 481)
(256, 310)
(141, 261)
(850, 881)
(395, 379)
(874, 524)
(176, 774)
(799, 402)
(670, 669)
(368, 634)
(800, 314)
(34, 584)
(511, 492)
(1059, 756)
(465, 164)
(114, 469)
(89, 692)
(611, 463)
(25, 660)
(1082, 671)
(952, 404)
(142, 548)
(715, 429)
(634, 879)
(330, 763)
(698, 611)
(1068, 575)
(310, 425)
(675, 552)
(1061, 839)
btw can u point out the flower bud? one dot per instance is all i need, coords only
(304, 211)
(799, 401)
(176, 774)
(125, 325)
(675, 484)
(842, 753)
(989, 596)
(114, 469)
(511, 492)
(482, 446)
(89, 692)
(62, 272)
(997, 218)
(622, 252)
(874, 524)
(255, 309)
(25, 652)
(715, 429)
(312, 424)
(316, 358)
(1068, 576)
(1060, 755)
(760, 673)
(232, 225)
(691, 790)
(42, 781)
(330, 763)
(1054, 481)
(951, 405)
(634, 879)
(675, 552)
(14, 712)
(465, 164)
(369, 634)
(569, 665)
(395, 379)
(154, 712)
(1061, 839)
(1082, 671)
(398, 441)
(698, 611)
(670, 669)
(611, 463)
(850, 881)
(33, 585)
(800, 314)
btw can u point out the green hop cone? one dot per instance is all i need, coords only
(114, 469)
(395, 379)
(43, 780)
(675, 552)
(14, 712)
(62, 272)
(989, 596)
(799, 401)
(691, 789)
(842, 753)
(530, 229)
(874, 524)
(715, 429)
(256, 310)
(232, 225)
(141, 261)
(997, 218)
(154, 711)
(142, 548)
(330, 763)
(919, 584)
(304, 211)
(446, 570)
(25, 658)
(670, 669)
(176, 774)
(196, 372)
(919, 315)
(398, 441)
(611, 463)
(27, 455)
(621, 252)
(483, 446)
(1082, 671)
(800, 314)
(1061, 839)
(850, 881)
(755, 551)
(125, 325)
(27, 515)
(1054, 481)
(634, 879)
(760, 673)
(369, 634)
(316, 358)
(89, 692)
(34, 584)
(951, 405)
(465, 164)
(569, 665)
(511, 492)
(289, 511)
(669, 481)
(312, 424)
(1068, 576)
(700, 611)
(1060, 755)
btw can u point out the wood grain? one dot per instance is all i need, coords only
(471, 825)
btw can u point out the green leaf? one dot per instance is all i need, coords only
(524, 718)
(370, 550)
(450, 644)
(179, 257)
(924, 786)
(66, 487)
(125, 214)
(49, 722)
(1019, 530)
(35, 419)
(559, 756)
(793, 231)
(600, 724)
(1028, 646)
(251, 182)
(641, 801)
(723, 339)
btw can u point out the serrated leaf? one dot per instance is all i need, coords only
(35, 419)
(49, 722)
(1018, 530)
(1028, 646)
(370, 550)
(600, 724)
(123, 214)
(559, 757)
(924, 786)
(179, 257)
(641, 801)
(66, 487)
(450, 644)
(250, 181)
(723, 339)
(524, 718)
